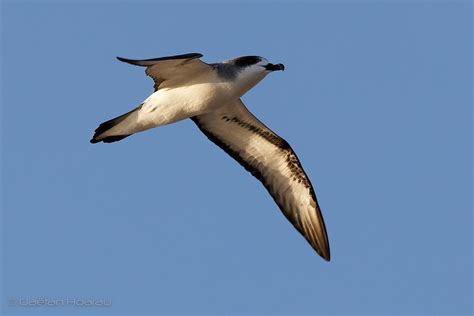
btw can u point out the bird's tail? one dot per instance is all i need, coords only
(115, 129)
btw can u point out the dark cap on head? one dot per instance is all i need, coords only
(246, 61)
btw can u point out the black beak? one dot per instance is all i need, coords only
(272, 67)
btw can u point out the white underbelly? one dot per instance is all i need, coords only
(171, 105)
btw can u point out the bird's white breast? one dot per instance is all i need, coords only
(204, 94)
(166, 106)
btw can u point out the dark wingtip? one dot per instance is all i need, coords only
(129, 61)
(325, 253)
(149, 62)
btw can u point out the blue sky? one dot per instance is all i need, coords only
(375, 99)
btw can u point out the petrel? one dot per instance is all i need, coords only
(209, 94)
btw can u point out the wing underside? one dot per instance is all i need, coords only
(271, 160)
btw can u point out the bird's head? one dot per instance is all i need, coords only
(252, 69)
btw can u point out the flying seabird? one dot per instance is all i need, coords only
(209, 94)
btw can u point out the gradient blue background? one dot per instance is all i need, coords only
(375, 99)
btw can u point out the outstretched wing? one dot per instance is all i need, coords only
(271, 160)
(172, 70)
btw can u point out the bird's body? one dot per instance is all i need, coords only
(209, 94)
(207, 90)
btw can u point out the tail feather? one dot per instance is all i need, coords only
(109, 139)
(105, 126)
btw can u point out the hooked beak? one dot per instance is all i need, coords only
(272, 67)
